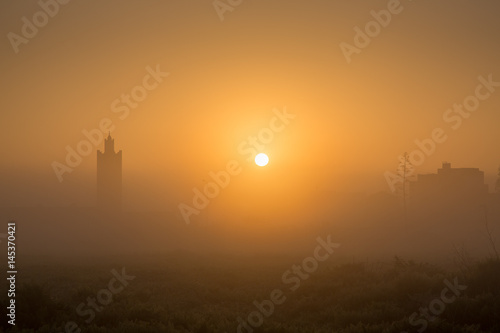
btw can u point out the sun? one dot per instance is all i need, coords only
(261, 159)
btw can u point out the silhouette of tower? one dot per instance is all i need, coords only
(109, 176)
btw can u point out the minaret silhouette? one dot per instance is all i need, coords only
(109, 176)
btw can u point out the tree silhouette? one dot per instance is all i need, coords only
(405, 170)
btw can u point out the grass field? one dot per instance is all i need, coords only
(191, 293)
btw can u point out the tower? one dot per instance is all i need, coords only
(109, 176)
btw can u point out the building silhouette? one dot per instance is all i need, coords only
(455, 186)
(109, 176)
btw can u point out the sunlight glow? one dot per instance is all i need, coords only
(261, 159)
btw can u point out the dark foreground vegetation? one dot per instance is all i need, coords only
(186, 293)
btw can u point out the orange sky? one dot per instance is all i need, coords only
(225, 78)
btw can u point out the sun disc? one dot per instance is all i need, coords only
(261, 159)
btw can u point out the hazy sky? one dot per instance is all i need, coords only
(352, 120)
